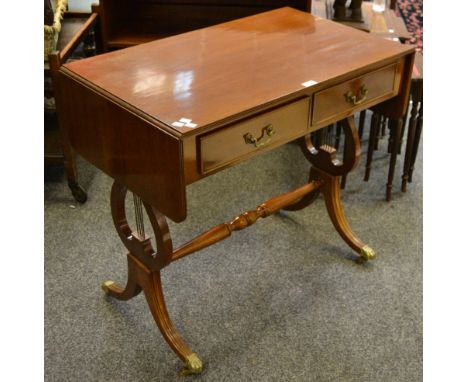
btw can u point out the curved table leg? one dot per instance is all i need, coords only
(371, 146)
(155, 298)
(131, 290)
(144, 266)
(331, 193)
(328, 169)
(141, 277)
(397, 129)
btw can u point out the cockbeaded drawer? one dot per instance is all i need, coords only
(233, 143)
(356, 94)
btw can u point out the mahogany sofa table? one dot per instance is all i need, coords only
(162, 115)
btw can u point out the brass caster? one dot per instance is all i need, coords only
(194, 365)
(367, 253)
(105, 286)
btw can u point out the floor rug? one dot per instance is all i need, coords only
(412, 13)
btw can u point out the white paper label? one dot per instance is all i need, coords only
(309, 83)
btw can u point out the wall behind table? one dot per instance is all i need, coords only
(81, 5)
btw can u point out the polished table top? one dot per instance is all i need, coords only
(215, 73)
(143, 114)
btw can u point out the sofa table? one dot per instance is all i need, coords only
(162, 115)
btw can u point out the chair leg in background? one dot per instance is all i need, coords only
(412, 125)
(370, 145)
(397, 128)
(362, 121)
(337, 136)
(417, 138)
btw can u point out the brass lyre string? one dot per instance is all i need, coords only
(325, 136)
(137, 204)
(328, 130)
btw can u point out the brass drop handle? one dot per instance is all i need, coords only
(356, 99)
(267, 131)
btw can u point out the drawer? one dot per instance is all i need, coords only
(258, 133)
(342, 100)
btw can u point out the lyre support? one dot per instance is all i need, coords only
(144, 265)
(145, 262)
(328, 169)
(324, 157)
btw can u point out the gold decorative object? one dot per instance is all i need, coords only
(250, 139)
(354, 99)
(194, 365)
(105, 286)
(367, 253)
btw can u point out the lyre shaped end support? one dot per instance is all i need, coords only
(144, 274)
(139, 246)
(324, 157)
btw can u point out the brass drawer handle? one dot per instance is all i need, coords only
(267, 130)
(358, 98)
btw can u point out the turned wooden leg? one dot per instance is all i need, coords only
(384, 127)
(362, 121)
(417, 138)
(337, 135)
(409, 144)
(331, 193)
(370, 145)
(404, 123)
(391, 137)
(380, 121)
(397, 127)
(417, 99)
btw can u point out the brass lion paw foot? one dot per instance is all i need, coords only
(105, 286)
(194, 365)
(367, 253)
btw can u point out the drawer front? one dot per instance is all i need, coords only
(342, 100)
(259, 133)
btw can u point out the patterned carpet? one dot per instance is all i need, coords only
(412, 13)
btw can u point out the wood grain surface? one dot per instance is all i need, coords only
(216, 73)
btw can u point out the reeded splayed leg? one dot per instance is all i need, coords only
(331, 193)
(144, 266)
(328, 168)
(131, 290)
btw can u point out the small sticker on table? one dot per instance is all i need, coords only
(184, 122)
(309, 83)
